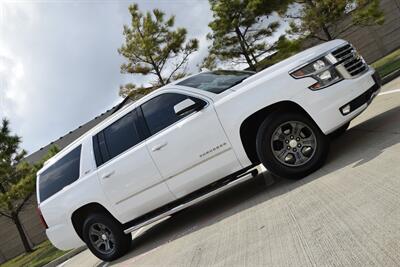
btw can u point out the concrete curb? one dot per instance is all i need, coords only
(65, 257)
(390, 77)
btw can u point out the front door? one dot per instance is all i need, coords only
(190, 149)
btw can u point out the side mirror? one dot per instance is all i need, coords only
(186, 106)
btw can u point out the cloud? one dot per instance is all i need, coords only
(59, 65)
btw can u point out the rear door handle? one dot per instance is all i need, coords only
(108, 175)
(159, 147)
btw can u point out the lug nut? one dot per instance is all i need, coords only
(291, 137)
(298, 139)
(288, 147)
(299, 145)
(287, 141)
(294, 149)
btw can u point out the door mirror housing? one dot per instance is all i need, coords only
(187, 106)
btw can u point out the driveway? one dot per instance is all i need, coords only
(345, 214)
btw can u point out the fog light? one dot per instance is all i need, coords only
(346, 109)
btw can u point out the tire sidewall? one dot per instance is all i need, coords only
(122, 240)
(265, 153)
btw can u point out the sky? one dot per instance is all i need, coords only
(59, 65)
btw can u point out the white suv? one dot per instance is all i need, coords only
(196, 137)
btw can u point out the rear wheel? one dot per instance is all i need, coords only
(291, 145)
(105, 238)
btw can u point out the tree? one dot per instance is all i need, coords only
(153, 47)
(284, 48)
(133, 91)
(240, 28)
(209, 63)
(17, 178)
(321, 19)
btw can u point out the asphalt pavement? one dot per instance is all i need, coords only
(345, 214)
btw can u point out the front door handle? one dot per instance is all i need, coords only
(159, 147)
(108, 175)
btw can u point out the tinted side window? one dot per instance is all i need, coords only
(62, 173)
(115, 139)
(159, 112)
(121, 135)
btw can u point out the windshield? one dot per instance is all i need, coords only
(216, 81)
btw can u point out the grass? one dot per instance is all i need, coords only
(43, 254)
(388, 64)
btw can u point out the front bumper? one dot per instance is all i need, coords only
(365, 98)
(324, 106)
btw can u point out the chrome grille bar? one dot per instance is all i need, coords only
(348, 57)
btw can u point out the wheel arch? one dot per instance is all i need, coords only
(78, 216)
(250, 126)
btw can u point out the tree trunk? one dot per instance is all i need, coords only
(327, 33)
(160, 78)
(21, 232)
(323, 26)
(244, 50)
(158, 72)
(247, 46)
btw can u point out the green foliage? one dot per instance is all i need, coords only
(154, 47)
(134, 91)
(43, 254)
(209, 63)
(321, 19)
(388, 64)
(240, 28)
(17, 177)
(284, 49)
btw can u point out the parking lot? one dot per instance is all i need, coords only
(345, 214)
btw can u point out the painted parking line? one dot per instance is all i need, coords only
(64, 263)
(390, 92)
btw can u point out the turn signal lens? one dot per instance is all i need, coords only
(298, 74)
(315, 86)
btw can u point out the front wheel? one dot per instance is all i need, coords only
(291, 145)
(105, 238)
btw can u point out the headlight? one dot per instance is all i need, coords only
(322, 70)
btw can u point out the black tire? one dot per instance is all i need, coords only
(339, 131)
(265, 146)
(121, 241)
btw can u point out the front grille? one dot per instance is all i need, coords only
(350, 59)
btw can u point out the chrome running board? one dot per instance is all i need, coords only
(240, 179)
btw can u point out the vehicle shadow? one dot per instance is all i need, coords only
(359, 145)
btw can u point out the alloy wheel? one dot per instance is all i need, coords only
(293, 143)
(102, 238)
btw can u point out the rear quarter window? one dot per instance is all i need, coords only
(62, 173)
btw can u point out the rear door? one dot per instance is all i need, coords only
(191, 149)
(126, 170)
